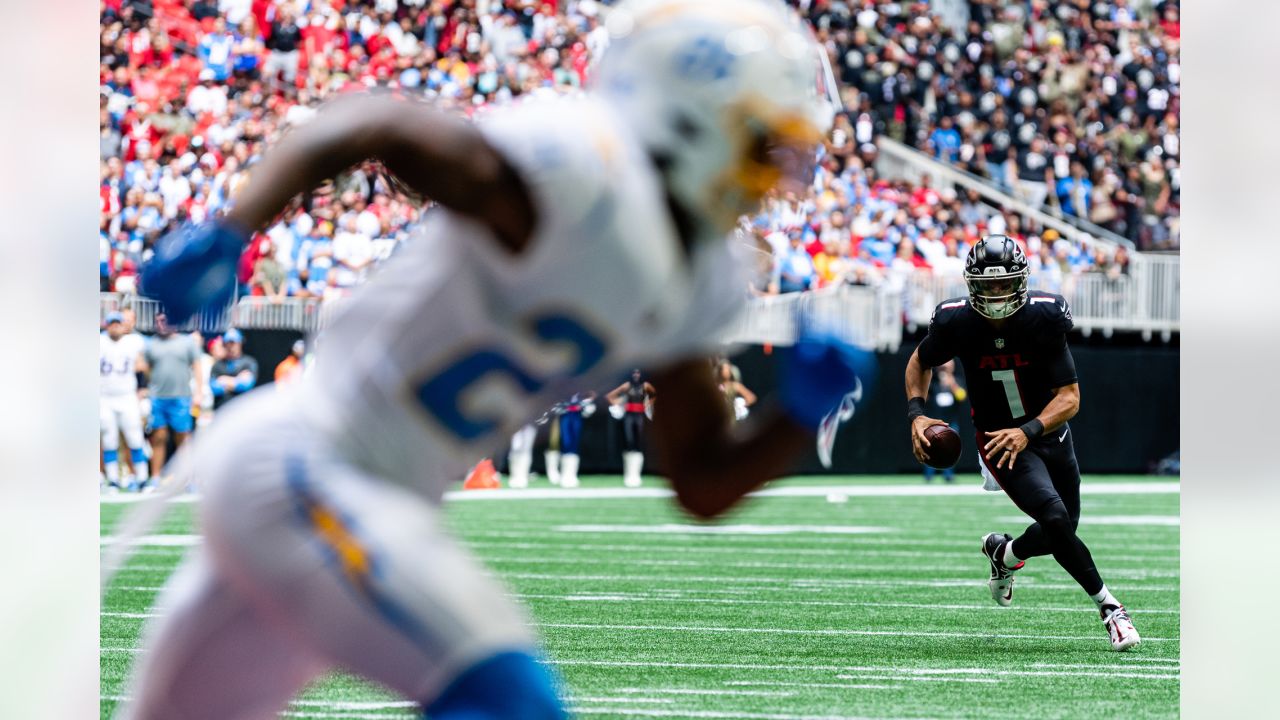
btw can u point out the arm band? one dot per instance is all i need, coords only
(915, 408)
(1033, 428)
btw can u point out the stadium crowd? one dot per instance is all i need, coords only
(1069, 104)
(1064, 95)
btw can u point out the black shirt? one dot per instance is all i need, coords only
(285, 38)
(1012, 371)
(1031, 166)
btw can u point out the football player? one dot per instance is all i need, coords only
(1023, 389)
(576, 237)
(520, 456)
(572, 413)
(633, 397)
(120, 359)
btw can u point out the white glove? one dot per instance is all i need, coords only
(617, 412)
(588, 408)
(740, 410)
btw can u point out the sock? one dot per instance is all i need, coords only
(1104, 598)
(527, 691)
(111, 460)
(1007, 557)
(553, 466)
(141, 467)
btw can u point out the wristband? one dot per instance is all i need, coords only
(1033, 428)
(915, 408)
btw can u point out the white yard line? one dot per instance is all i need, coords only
(809, 582)
(646, 597)
(616, 493)
(702, 600)
(712, 529)
(1087, 519)
(697, 691)
(980, 672)
(827, 631)
(660, 701)
(794, 584)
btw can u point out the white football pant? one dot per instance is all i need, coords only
(310, 564)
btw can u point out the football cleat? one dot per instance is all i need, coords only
(1001, 581)
(1119, 627)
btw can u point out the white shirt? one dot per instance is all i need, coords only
(118, 364)
(455, 344)
(352, 247)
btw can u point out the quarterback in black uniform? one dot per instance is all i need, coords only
(1023, 389)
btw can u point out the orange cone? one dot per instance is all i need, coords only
(483, 477)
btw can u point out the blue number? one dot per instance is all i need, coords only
(705, 59)
(440, 395)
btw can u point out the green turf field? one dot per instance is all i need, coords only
(797, 607)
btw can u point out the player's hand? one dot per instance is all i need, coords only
(818, 371)
(1005, 445)
(194, 269)
(918, 441)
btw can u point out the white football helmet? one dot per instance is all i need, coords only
(730, 97)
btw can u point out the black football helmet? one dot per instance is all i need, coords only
(996, 272)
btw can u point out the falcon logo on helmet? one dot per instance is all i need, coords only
(996, 272)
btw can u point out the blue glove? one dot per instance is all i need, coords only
(194, 269)
(818, 371)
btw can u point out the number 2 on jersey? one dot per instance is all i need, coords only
(441, 395)
(1009, 379)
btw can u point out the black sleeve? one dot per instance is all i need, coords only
(1061, 368)
(936, 348)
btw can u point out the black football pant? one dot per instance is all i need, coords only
(1045, 484)
(633, 432)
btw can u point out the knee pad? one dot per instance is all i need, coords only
(508, 686)
(1055, 520)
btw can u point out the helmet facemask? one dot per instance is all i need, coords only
(997, 296)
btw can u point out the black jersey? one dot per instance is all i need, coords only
(1011, 371)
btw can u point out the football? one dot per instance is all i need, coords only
(944, 446)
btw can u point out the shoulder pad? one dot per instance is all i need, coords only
(1051, 310)
(949, 309)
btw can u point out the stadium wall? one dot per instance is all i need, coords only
(1128, 421)
(1128, 416)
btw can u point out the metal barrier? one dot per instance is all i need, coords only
(1145, 300)
(866, 316)
(301, 314)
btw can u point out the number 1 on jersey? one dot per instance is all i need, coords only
(1009, 379)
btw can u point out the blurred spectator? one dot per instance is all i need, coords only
(234, 374)
(174, 386)
(1093, 82)
(795, 270)
(191, 92)
(282, 43)
(1075, 193)
(291, 367)
(268, 277)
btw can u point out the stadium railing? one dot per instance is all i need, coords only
(870, 317)
(1145, 300)
(301, 314)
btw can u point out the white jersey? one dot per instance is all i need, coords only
(454, 344)
(118, 364)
